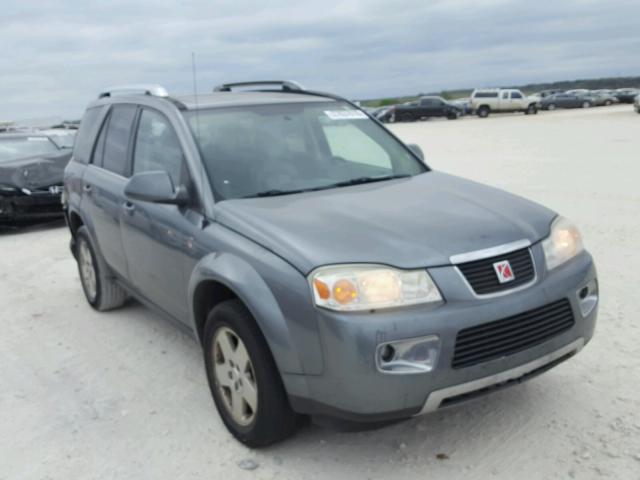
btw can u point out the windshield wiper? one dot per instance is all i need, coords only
(274, 193)
(354, 181)
(361, 180)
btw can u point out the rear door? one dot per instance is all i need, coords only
(103, 185)
(159, 239)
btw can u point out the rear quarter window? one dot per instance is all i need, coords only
(87, 134)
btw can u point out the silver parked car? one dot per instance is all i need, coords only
(323, 267)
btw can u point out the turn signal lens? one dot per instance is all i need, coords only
(322, 290)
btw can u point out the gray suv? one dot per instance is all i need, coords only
(324, 268)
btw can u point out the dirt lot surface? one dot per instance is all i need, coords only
(123, 395)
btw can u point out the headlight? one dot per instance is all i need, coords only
(564, 243)
(369, 287)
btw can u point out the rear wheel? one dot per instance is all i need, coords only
(608, 102)
(551, 106)
(100, 289)
(586, 104)
(243, 377)
(483, 112)
(531, 110)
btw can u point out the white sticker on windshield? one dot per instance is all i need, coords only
(345, 114)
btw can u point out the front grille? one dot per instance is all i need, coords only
(483, 279)
(512, 334)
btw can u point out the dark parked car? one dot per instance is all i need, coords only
(384, 114)
(626, 95)
(636, 103)
(548, 93)
(324, 268)
(426, 107)
(602, 99)
(31, 172)
(566, 100)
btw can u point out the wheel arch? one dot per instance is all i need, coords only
(223, 276)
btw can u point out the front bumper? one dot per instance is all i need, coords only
(351, 387)
(36, 206)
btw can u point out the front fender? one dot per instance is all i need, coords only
(245, 281)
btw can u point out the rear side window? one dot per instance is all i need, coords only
(117, 141)
(157, 146)
(86, 134)
(486, 95)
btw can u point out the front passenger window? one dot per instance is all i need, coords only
(157, 146)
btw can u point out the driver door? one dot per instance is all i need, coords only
(159, 239)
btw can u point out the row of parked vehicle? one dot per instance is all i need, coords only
(483, 102)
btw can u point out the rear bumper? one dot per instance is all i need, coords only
(351, 387)
(24, 208)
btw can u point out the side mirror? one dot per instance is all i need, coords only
(155, 187)
(417, 151)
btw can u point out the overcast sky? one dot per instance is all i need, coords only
(56, 55)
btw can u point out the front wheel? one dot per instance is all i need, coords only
(551, 106)
(531, 110)
(406, 117)
(243, 377)
(586, 104)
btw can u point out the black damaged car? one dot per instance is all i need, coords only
(31, 169)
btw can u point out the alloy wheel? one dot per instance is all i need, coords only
(235, 376)
(87, 270)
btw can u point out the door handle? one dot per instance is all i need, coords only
(128, 207)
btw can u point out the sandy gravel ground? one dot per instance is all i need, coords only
(123, 395)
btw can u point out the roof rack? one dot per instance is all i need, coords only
(140, 89)
(286, 85)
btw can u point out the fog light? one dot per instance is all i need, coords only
(413, 355)
(588, 297)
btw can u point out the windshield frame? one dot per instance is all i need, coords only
(191, 119)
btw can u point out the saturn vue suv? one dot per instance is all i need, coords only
(324, 268)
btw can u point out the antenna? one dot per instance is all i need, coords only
(195, 90)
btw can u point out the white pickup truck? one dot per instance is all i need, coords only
(486, 101)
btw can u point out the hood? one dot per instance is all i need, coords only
(414, 222)
(34, 172)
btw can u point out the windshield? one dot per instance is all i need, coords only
(13, 148)
(265, 150)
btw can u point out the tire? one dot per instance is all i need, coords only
(453, 116)
(256, 381)
(100, 288)
(607, 103)
(586, 104)
(406, 117)
(531, 110)
(483, 112)
(551, 106)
